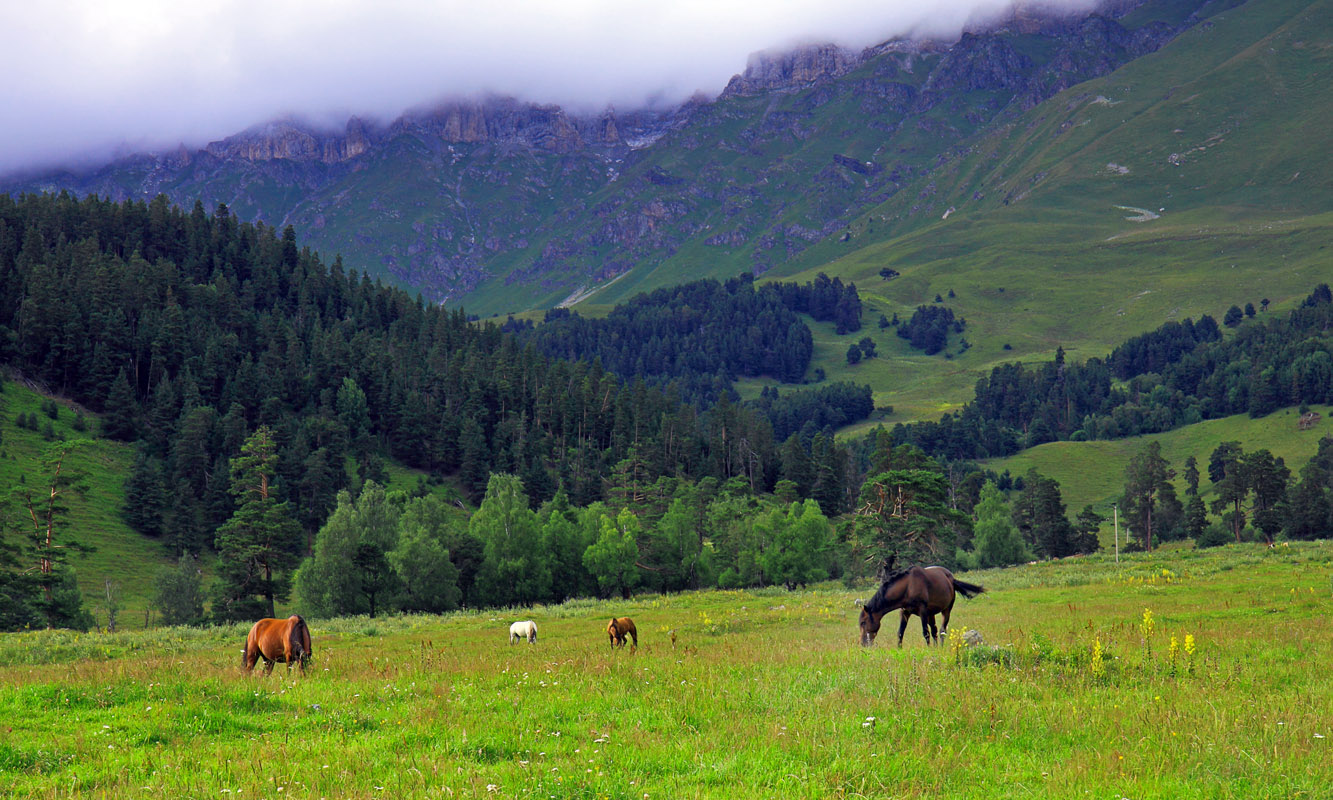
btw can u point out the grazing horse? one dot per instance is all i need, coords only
(619, 629)
(286, 640)
(922, 591)
(525, 629)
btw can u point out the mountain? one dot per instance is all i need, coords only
(1185, 182)
(502, 205)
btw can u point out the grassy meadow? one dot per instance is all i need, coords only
(761, 694)
(1094, 472)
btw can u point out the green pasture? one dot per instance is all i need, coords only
(761, 694)
(118, 554)
(1025, 286)
(1094, 472)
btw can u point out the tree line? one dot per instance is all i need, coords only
(188, 332)
(1177, 375)
(1255, 497)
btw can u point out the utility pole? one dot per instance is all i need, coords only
(1115, 508)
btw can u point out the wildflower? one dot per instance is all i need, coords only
(1097, 666)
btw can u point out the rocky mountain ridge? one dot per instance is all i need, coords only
(503, 204)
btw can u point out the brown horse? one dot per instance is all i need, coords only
(286, 640)
(922, 591)
(619, 629)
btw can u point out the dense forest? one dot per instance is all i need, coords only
(188, 332)
(1179, 374)
(264, 393)
(700, 337)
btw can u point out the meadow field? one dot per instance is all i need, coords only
(1179, 673)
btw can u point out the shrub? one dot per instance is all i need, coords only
(1213, 536)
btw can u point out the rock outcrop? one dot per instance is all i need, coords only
(802, 66)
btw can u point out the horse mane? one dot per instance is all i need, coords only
(877, 601)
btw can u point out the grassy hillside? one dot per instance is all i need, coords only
(119, 554)
(1039, 228)
(759, 694)
(122, 556)
(1094, 472)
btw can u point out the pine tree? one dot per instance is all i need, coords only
(145, 496)
(257, 547)
(1147, 483)
(1267, 478)
(1311, 515)
(121, 420)
(1040, 513)
(39, 513)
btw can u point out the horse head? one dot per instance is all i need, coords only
(869, 627)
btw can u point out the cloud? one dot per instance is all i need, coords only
(92, 77)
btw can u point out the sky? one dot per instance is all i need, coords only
(89, 78)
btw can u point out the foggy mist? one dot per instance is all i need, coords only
(90, 79)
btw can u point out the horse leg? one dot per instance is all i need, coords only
(268, 666)
(902, 626)
(944, 629)
(926, 624)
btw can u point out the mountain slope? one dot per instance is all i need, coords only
(502, 206)
(1179, 185)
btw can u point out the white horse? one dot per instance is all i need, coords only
(527, 628)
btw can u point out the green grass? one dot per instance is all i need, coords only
(1094, 472)
(762, 694)
(1035, 247)
(119, 554)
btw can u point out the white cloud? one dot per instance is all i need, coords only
(91, 75)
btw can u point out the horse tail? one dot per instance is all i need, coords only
(968, 590)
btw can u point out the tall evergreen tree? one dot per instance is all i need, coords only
(179, 594)
(1039, 512)
(1311, 514)
(39, 513)
(258, 547)
(121, 420)
(145, 495)
(1147, 486)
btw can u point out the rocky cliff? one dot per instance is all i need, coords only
(502, 204)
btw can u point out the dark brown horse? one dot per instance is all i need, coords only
(619, 629)
(285, 640)
(922, 591)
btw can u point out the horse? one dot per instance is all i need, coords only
(519, 630)
(922, 591)
(286, 640)
(621, 627)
